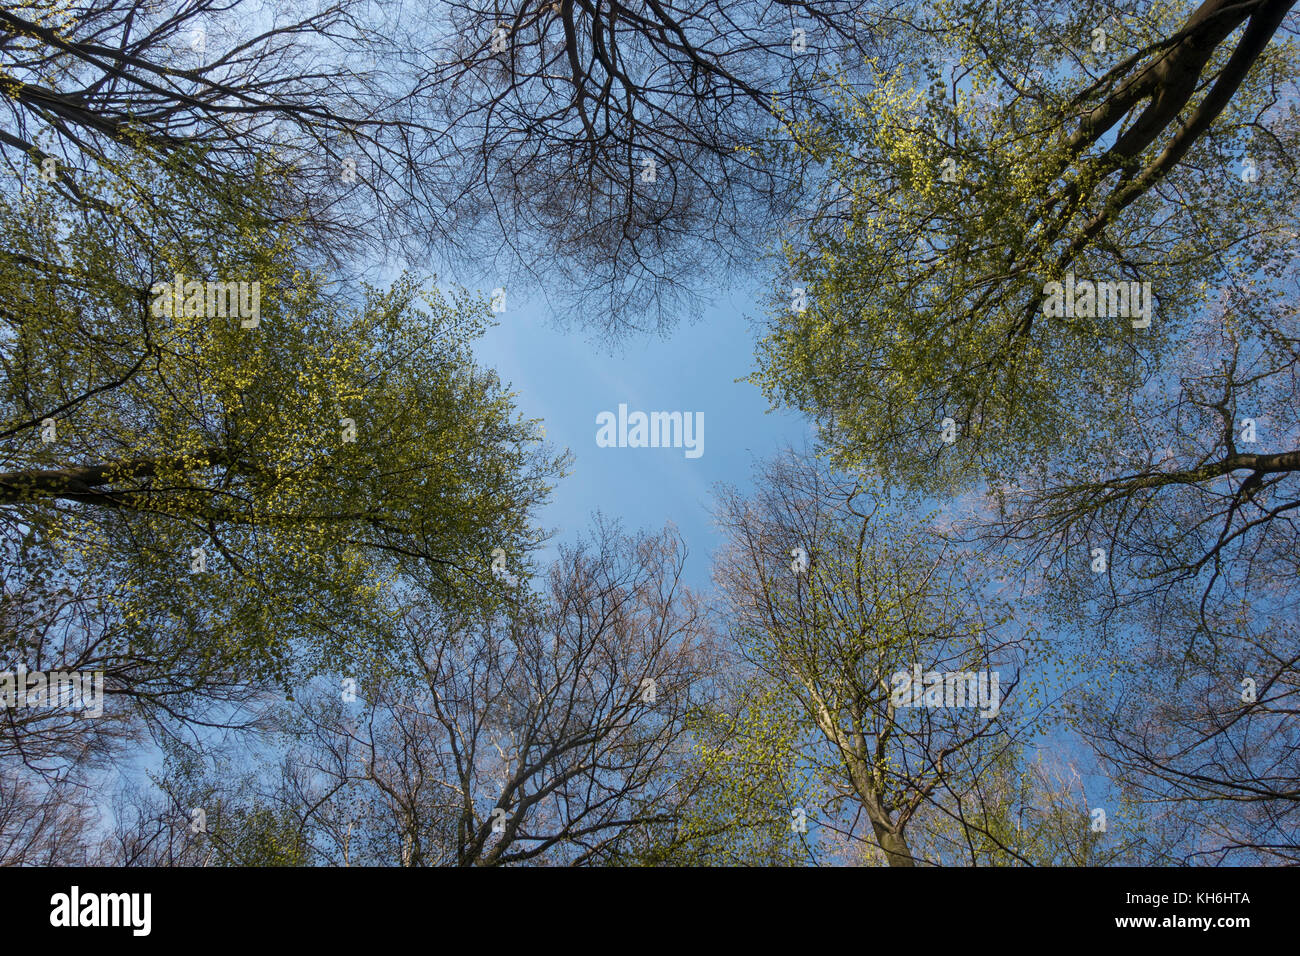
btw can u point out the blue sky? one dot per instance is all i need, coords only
(567, 378)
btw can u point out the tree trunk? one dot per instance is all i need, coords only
(895, 846)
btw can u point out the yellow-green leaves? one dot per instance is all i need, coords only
(956, 191)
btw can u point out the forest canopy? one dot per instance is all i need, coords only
(1027, 269)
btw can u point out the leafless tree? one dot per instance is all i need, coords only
(44, 822)
(1166, 542)
(556, 734)
(623, 153)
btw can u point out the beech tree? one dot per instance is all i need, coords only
(212, 492)
(553, 731)
(1025, 144)
(1142, 466)
(234, 498)
(614, 149)
(835, 599)
(597, 151)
